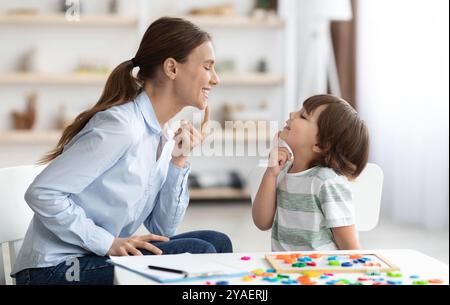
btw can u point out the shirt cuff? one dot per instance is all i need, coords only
(100, 241)
(178, 176)
(342, 222)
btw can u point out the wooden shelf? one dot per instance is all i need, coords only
(233, 21)
(18, 78)
(239, 136)
(37, 137)
(30, 137)
(228, 79)
(219, 194)
(130, 21)
(250, 79)
(60, 20)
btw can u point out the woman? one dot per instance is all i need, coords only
(118, 166)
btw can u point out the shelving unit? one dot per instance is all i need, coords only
(231, 31)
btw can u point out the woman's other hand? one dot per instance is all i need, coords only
(131, 245)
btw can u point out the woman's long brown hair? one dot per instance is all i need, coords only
(165, 38)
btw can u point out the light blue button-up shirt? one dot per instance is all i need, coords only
(106, 184)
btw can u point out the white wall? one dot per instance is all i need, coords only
(403, 93)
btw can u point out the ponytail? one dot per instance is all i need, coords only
(120, 88)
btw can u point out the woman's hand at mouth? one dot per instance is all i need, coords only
(187, 138)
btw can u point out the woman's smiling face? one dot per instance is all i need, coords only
(197, 76)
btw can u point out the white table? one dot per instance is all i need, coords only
(410, 262)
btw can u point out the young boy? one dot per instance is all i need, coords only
(306, 200)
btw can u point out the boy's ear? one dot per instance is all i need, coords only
(170, 68)
(317, 149)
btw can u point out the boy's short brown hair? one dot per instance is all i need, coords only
(343, 137)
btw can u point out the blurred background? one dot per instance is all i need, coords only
(389, 59)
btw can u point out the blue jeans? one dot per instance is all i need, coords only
(94, 270)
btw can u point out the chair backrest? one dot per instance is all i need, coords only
(15, 215)
(366, 191)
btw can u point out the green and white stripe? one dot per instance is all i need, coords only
(308, 205)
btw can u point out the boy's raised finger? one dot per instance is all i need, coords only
(285, 150)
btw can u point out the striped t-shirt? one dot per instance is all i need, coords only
(309, 204)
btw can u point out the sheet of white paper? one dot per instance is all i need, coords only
(192, 264)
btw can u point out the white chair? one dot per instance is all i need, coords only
(366, 190)
(15, 215)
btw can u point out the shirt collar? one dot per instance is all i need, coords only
(146, 107)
